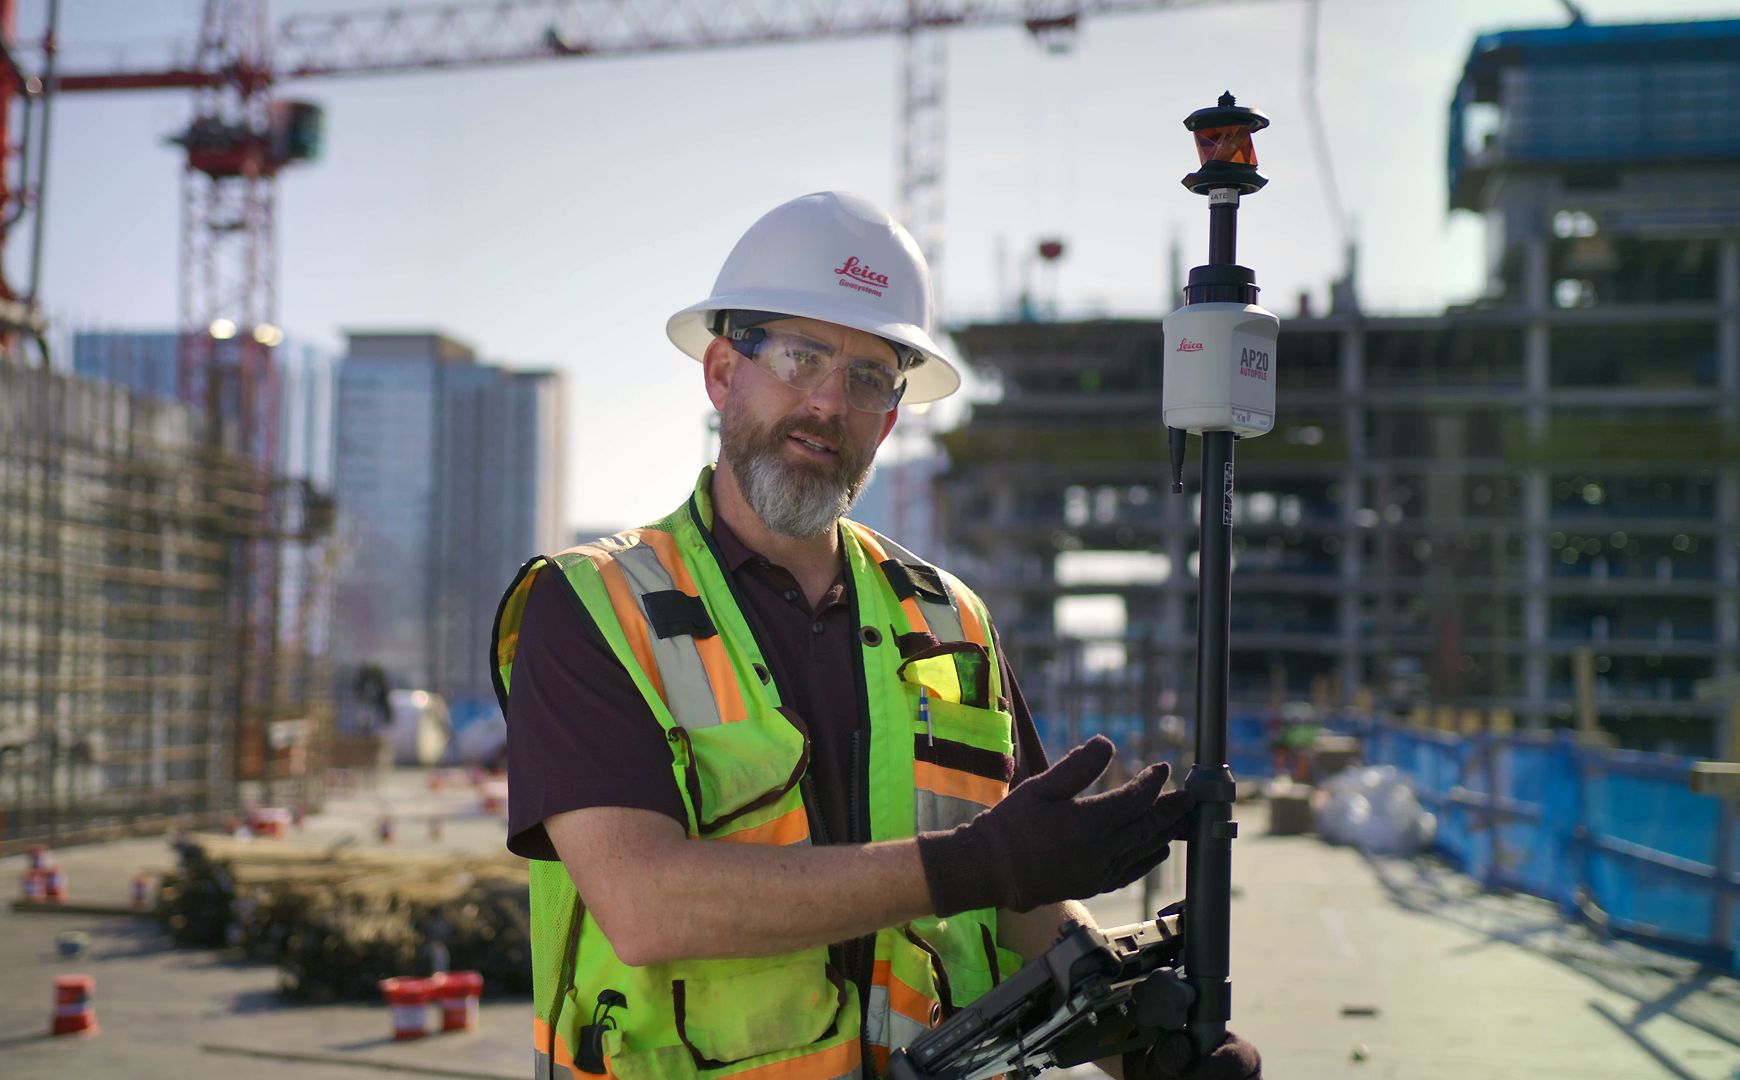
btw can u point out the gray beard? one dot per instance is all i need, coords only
(793, 501)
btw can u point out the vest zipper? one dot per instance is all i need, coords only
(856, 835)
(860, 952)
(818, 827)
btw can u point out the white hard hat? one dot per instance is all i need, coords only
(836, 257)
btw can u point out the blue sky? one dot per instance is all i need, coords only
(554, 214)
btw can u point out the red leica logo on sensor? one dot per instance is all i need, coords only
(856, 269)
(1188, 345)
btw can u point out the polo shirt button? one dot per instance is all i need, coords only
(791, 594)
(816, 628)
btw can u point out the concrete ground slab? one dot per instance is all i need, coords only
(1443, 980)
(1411, 964)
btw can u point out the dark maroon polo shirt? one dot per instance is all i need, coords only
(580, 734)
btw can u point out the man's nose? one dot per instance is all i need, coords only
(829, 396)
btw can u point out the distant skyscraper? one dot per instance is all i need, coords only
(448, 476)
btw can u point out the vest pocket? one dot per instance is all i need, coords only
(735, 769)
(963, 760)
(728, 1011)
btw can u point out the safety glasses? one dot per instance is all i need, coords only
(803, 363)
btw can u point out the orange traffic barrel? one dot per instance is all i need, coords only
(74, 1011)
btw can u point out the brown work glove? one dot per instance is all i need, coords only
(1045, 842)
(1170, 1059)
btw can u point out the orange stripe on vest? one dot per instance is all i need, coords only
(628, 613)
(961, 785)
(903, 999)
(971, 625)
(826, 1064)
(792, 827)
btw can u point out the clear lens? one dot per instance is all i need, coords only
(804, 364)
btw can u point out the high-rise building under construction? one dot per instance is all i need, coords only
(164, 571)
(1470, 513)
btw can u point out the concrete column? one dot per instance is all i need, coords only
(1728, 333)
(1537, 286)
(1728, 478)
(1350, 610)
(1727, 568)
(1536, 506)
(1537, 371)
(1177, 637)
(1173, 628)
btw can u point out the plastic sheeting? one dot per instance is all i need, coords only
(1374, 808)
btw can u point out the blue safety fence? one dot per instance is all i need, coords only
(1249, 737)
(1613, 835)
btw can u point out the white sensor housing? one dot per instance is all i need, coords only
(1220, 369)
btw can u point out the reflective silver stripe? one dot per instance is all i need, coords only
(944, 619)
(934, 812)
(688, 693)
(544, 1067)
(885, 1027)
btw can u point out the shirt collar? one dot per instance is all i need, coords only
(736, 553)
(734, 550)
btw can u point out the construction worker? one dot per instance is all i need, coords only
(800, 809)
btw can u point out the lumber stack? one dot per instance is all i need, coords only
(337, 921)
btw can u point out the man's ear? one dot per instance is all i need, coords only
(888, 424)
(717, 365)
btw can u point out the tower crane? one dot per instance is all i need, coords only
(242, 134)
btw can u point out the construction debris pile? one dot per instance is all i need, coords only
(337, 921)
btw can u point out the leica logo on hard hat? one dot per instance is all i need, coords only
(1188, 345)
(858, 276)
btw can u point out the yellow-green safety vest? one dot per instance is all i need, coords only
(663, 601)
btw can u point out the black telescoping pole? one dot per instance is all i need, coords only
(1208, 870)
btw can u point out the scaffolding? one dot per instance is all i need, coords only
(160, 599)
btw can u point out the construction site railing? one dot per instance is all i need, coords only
(1616, 837)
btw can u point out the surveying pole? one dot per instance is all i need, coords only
(1218, 384)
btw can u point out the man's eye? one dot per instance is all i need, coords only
(806, 357)
(875, 376)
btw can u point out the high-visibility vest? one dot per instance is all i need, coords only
(663, 601)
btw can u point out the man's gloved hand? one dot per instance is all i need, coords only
(1045, 842)
(1170, 1059)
